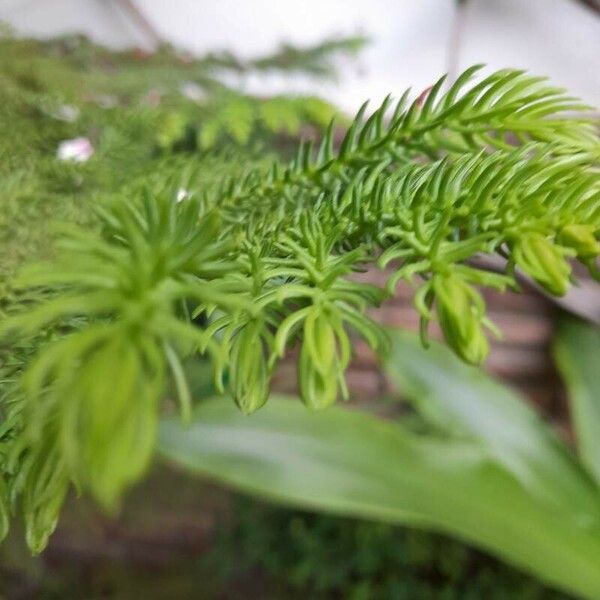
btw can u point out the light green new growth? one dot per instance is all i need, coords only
(262, 264)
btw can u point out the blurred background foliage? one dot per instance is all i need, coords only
(143, 114)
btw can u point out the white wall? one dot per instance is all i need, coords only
(559, 38)
(554, 37)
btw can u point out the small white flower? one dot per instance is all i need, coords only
(78, 149)
(182, 194)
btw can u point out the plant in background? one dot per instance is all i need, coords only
(246, 270)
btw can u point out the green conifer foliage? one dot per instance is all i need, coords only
(246, 270)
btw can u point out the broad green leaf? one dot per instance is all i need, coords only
(351, 463)
(464, 402)
(577, 354)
